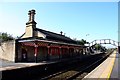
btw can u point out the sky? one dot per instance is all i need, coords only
(80, 20)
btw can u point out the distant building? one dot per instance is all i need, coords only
(38, 45)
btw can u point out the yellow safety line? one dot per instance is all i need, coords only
(110, 70)
(109, 74)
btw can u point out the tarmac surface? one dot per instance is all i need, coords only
(5, 63)
(108, 70)
(116, 68)
(8, 65)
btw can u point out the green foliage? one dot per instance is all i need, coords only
(81, 42)
(99, 47)
(5, 37)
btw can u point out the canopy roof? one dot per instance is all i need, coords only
(55, 36)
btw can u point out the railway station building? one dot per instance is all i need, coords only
(37, 45)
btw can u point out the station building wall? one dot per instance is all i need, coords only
(41, 55)
(7, 50)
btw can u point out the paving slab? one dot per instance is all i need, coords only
(8, 65)
(103, 71)
(115, 74)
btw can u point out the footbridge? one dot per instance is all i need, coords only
(105, 41)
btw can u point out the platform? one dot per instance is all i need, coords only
(106, 70)
(28, 71)
(8, 65)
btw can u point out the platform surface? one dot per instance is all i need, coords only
(108, 70)
(8, 65)
(116, 68)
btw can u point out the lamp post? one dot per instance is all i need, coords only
(87, 50)
(86, 36)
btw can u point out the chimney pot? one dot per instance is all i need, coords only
(61, 32)
(31, 14)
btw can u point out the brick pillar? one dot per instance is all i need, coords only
(60, 52)
(68, 52)
(48, 53)
(36, 52)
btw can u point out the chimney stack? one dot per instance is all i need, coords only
(61, 32)
(31, 14)
(30, 25)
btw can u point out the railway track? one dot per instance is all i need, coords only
(88, 69)
(78, 72)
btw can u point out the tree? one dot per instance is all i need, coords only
(100, 47)
(97, 46)
(81, 42)
(5, 37)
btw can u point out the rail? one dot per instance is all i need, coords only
(70, 74)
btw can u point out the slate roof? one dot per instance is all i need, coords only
(55, 36)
